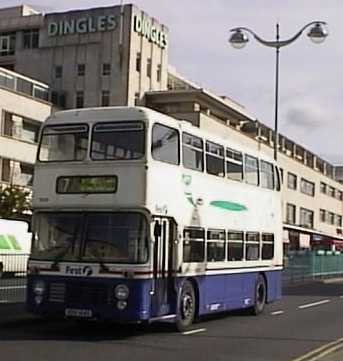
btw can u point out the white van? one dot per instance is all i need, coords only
(15, 245)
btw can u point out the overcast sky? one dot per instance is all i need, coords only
(310, 107)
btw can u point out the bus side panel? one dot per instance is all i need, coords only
(274, 285)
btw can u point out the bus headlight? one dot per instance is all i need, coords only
(39, 288)
(121, 292)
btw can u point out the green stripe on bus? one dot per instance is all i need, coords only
(229, 206)
(4, 243)
(14, 242)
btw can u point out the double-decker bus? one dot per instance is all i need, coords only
(140, 217)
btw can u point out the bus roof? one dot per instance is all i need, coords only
(126, 113)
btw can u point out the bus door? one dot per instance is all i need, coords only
(164, 236)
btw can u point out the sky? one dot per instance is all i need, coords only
(310, 92)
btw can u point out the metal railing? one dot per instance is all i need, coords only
(306, 265)
(13, 270)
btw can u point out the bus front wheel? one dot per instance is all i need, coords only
(260, 296)
(185, 307)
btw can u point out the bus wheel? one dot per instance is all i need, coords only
(260, 296)
(185, 307)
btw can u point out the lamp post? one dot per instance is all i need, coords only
(239, 38)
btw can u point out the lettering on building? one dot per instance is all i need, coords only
(83, 25)
(144, 26)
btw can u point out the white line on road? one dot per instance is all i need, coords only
(275, 313)
(191, 332)
(313, 304)
(4, 301)
(11, 287)
(341, 296)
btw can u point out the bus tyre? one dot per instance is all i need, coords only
(185, 307)
(260, 296)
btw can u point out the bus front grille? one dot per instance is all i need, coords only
(79, 293)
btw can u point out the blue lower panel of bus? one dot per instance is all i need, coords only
(79, 295)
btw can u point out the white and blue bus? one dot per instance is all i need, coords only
(140, 217)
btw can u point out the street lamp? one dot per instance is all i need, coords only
(239, 39)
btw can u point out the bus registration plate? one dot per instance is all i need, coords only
(74, 312)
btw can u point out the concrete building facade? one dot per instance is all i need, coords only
(23, 108)
(96, 57)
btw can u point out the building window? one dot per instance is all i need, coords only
(281, 174)
(193, 245)
(266, 175)
(290, 213)
(331, 191)
(25, 178)
(79, 99)
(234, 164)
(81, 69)
(58, 71)
(338, 220)
(331, 218)
(251, 170)
(292, 181)
(252, 246)
(307, 187)
(214, 159)
(165, 144)
(106, 69)
(323, 187)
(306, 218)
(138, 62)
(105, 98)
(215, 245)
(193, 152)
(322, 215)
(339, 195)
(31, 38)
(159, 72)
(148, 68)
(267, 246)
(5, 170)
(20, 127)
(235, 246)
(7, 43)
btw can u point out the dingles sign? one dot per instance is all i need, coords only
(143, 26)
(82, 25)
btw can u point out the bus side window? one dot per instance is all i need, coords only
(215, 159)
(251, 171)
(193, 245)
(267, 177)
(193, 152)
(235, 246)
(252, 246)
(215, 245)
(267, 246)
(165, 145)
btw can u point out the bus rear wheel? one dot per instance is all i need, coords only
(186, 307)
(260, 296)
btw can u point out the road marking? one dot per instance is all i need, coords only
(275, 313)
(191, 332)
(341, 296)
(11, 287)
(313, 304)
(4, 301)
(321, 351)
